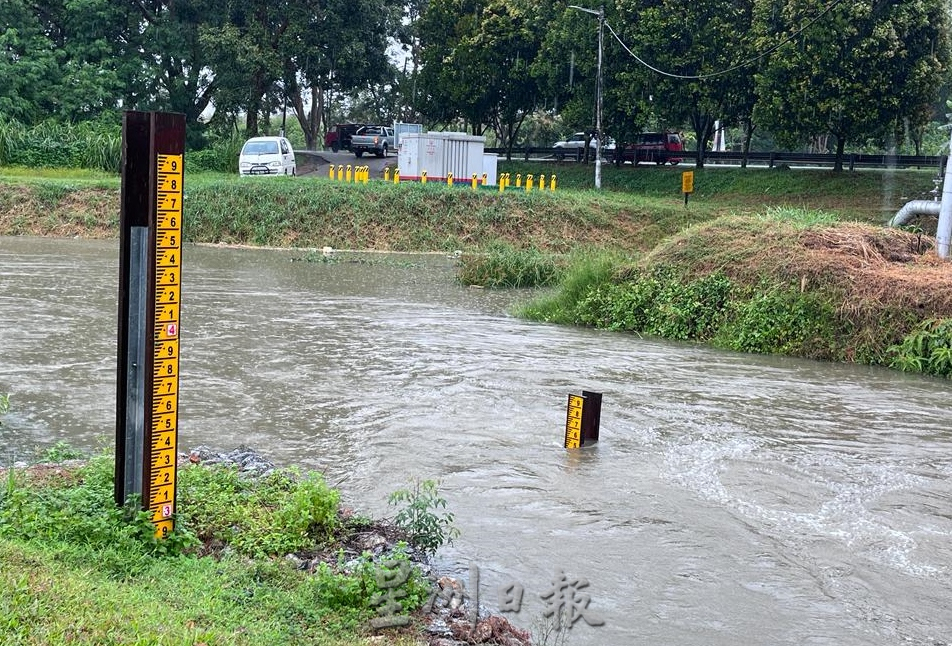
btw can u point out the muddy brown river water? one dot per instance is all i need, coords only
(733, 499)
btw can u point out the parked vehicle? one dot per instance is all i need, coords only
(338, 136)
(658, 147)
(571, 145)
(372, 139)
(267, 156)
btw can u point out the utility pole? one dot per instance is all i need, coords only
(598, 92)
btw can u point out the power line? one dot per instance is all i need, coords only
(751, 61)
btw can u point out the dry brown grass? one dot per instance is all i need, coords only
(882, 281)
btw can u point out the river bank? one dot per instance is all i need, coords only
(327, 589)
(728, 474)
(805, 279)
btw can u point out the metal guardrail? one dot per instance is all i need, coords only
(768, 159)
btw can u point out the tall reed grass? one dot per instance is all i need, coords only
(93, 145)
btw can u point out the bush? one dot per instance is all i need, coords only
(782, 321)
(221, 157)
(427, 528)
(269, 516)
(927, 349)
(94, 144)
(659, 303)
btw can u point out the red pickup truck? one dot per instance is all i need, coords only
(658, 147)
(338, 136)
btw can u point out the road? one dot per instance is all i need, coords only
(316, 162)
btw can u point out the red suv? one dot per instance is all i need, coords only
(658, 147)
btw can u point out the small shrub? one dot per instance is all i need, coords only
(61, 452)
(426, 527)
(659, 303)
(270, 516)
(927, 349)
(779, 320)
(222, 156)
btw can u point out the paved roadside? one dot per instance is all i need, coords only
(316, 162)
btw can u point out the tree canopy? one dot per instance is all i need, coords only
(857, 72)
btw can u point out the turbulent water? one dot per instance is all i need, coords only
(732, 499)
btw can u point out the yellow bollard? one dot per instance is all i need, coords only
(552, 183)
(330, 172)
(502, 183)
(423, 177)
(507, 179)
(396, 175)
(347, 176)
(485, 179)
(474, 181)
(518, 180)
(449, 179)
(386, 174)
(528, 183)
(542, 182)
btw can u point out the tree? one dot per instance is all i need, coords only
(857, 74)
(337, 47)
(452, 73)
(29, 72)
(689, 41)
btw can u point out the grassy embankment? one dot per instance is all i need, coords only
(75, 569)
(785, 261)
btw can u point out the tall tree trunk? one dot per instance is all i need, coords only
(310, 121)
(748, 135)
(840, 145)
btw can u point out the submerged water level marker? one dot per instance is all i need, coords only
(582, 418)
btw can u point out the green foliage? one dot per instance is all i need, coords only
(61, 452)
(4, 405)
(427, 527)
(781, 321)
(659, 303)
(274, 515)
(77, 512)
(221, 157)
(507, 267)
(926, 349)
(882, 68)
(93, 145)
(585, 273)
(349, 591)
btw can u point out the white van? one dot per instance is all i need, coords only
(267, 156)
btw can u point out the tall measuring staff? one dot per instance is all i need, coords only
(150, 272)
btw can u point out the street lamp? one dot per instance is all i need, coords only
(598, 92)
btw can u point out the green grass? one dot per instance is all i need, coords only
(75, 569)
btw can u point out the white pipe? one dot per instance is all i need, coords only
(912, 209)
(943, 232)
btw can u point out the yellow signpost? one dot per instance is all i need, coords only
(687, 184)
